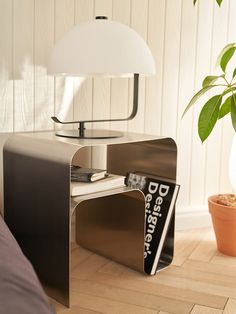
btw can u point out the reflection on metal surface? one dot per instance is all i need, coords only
(113, 226)
(157, 157)
(38, 206)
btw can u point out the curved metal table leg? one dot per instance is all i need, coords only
(36, 202)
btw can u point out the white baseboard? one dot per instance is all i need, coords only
(192, 218)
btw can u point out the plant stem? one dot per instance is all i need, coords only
(228, 84)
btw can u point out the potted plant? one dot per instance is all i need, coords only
(223, 213)
(221, 207)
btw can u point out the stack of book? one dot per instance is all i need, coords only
(90, 180)
(81, 174)
(160, 197)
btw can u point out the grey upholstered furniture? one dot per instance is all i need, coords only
(20, 290)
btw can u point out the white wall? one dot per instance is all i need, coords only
(185, 42)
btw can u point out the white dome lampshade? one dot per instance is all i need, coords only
(104, 48)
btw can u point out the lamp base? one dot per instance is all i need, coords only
(90, 134)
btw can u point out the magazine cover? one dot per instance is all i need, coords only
(160, 197)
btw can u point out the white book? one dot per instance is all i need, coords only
(110, 182)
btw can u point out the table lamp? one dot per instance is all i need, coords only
(101, 48)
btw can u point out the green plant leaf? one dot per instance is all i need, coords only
(209, 80)
(225, 108)
(208, 116)
(234, 73)
(233, 111)
(228, 90)
(226, 48)
(226, 57)
(197, 96)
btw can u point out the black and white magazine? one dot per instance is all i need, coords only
(160, 197)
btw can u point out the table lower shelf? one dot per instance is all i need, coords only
(113, 225)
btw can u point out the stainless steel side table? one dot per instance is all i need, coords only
(38, 207)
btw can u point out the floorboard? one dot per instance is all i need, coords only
(200, 281)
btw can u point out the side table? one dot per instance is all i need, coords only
(38, 207)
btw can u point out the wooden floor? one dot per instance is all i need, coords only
(199, 281)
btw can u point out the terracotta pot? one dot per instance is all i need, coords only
(224, 223)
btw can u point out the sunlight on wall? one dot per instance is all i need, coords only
(67, 100)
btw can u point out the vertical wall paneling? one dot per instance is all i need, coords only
(139, 18)
(203, 68)
(64, 21)
(101, 92)
(213, 152)
(43, 84)
(84, 11)
(185, 93)
(156, 41)
(185, 41)
(23, 62)
(227, 128)
(120, 86)
(171, 67)
(6, 75)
